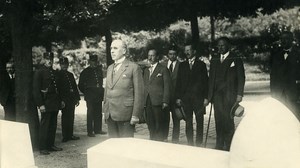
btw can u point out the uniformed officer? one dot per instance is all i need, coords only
(90, 84)
(70, 96)
(47, 98)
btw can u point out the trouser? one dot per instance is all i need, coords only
(166, 124)
(10, 111)
(224, 123)
(191, 108)
(176, 126)
(154, 120)
(118, 129)
(94, 116)
(67, 120)
(47, 130)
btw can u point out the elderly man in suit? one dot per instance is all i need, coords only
(48, 99)
(191, 93)
(226, 87)
(157, 96)
(90, 84)
(71, 98)
(285, 73)
(124, 93)
(173, 66)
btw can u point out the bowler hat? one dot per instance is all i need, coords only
(237, 110)
(93, 58)
(179, 112)
(63, 60)
(48, 55)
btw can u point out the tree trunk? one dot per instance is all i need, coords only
(194, 28)
(212, 28)
(108, 40)
(21, 26)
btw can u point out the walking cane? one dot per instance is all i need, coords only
(208, 125)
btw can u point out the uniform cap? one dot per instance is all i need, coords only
(93, 58)
(48, 55)
(63, 60)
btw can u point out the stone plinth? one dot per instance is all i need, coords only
(15, 145)
(139, 153)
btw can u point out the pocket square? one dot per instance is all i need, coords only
(158, 75)
(232, 64)
(124, 76)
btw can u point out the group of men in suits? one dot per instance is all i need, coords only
(285, 73)
(159, 89)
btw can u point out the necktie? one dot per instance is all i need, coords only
(286, 54)
(191, 64)
(171, 67)
(151, 71)
(222, 58)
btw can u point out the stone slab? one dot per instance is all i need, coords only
(137, 153)
(15, 145)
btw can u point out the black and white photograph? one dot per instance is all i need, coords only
(150, 83)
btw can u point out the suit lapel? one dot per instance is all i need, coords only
(109, 76)
(119, 72)
(155, 72)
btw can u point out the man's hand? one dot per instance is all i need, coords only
(239, 98)
(164, 105)
(134, 120)
(178, 102)
(205, 102)
(42, 109)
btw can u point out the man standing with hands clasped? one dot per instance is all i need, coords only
(191, 93)
(226, 87)
(157, 96)
(90, 84)
(123, 97)
(48, 99)
(71, 98)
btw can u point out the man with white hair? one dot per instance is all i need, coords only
(123, 97)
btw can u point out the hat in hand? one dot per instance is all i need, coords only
(63, 60)
(48, 55)
(93, 58)
(179, 112)
(237, 110)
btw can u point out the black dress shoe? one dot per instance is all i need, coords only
(74, 138)
(101, 132)
(44, 152)
(64, 140)
(55, 148)
(91, 135)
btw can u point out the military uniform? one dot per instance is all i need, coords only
(70, 96)
(45, 92)
(90, 84)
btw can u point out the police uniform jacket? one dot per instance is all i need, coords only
(67, 87)
(45, 89)
(90, 84)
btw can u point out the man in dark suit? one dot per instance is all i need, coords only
(90, 84)
(124, 93)
(8, 97)
(285, 73)
(226, 87)
(47, 98)
(173, 66)
(157, 96)
(191, 93)
(70, 96)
